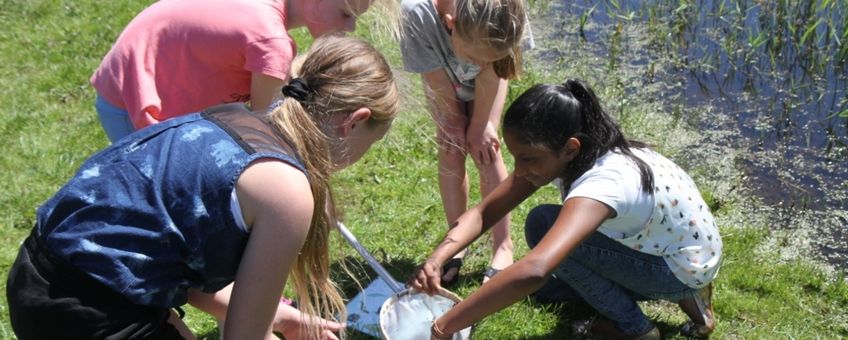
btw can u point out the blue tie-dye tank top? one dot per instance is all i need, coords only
(150, 216)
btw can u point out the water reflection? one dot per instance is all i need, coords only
(777, 69)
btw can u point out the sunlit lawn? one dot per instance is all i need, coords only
(391, 201)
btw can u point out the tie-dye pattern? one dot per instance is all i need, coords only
(89, 197)
(194, 133)
(146, 166)
(150, 216)
(199, 208)
(224, 152)
(91, 172)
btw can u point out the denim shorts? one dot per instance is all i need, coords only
(115, 120)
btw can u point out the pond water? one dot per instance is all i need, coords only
(773, 75)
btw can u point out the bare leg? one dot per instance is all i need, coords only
(700, 311)
(453, 187)
(502, 248)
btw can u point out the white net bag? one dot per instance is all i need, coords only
(410, 314)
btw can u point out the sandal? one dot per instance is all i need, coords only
(490, 273)
(603, 328)
(703, 306)
(455, 262)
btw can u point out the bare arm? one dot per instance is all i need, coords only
(216, 303)
(287, 319)
(277, 204)
(470, 225)
(264, 89)
(489, 96)
(579, 217)
(213, 303)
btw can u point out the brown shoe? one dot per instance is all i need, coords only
(699, 308)
(603, 328)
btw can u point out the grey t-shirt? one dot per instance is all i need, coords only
(425, 46)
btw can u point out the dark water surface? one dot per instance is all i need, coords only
(775, 77)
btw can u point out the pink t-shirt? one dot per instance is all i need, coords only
(181, 56)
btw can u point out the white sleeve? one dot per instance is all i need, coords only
(614, 181)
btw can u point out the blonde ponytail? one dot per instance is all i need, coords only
(343, 74)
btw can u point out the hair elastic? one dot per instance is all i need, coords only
(298, 89)
(578, 91)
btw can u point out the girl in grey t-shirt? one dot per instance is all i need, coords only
(465, 51)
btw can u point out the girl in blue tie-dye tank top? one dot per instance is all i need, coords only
(179, 210)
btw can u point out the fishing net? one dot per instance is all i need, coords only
(409, 315)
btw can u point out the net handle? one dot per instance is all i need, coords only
(395, 286)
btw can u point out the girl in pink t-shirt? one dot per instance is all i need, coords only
(180, 56)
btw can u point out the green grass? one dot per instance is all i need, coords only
(391, 202)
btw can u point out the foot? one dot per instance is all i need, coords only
(501, 259)
(700, 311)
(450, 271)
(489, 273)
(603, 328)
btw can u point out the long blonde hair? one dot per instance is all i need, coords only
(499, 25)
(343, 74)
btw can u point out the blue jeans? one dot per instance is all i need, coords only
(605, 274)
(115, 121)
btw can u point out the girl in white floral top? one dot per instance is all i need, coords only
(632, 225)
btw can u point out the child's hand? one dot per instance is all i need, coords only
(483, 143)
(427, 278)
(289, 321)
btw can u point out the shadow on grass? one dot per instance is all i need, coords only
(359, 274)
(210, 335)
(570, 312)
(567, 313)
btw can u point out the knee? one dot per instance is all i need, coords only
(452, 155)
(539, 221)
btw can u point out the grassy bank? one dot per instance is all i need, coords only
(49, 126)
